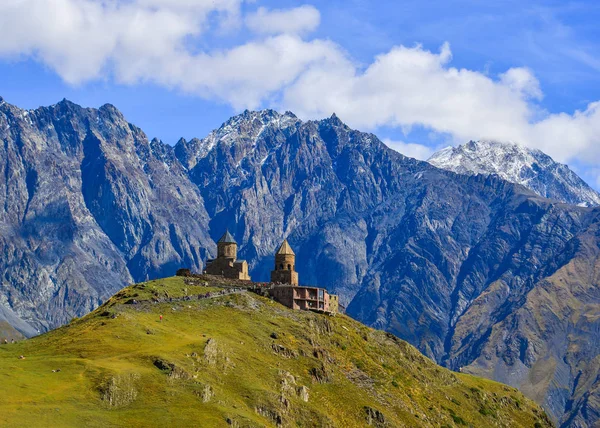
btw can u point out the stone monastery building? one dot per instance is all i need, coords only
(284, 288)
(226, 264)
(287, 291)
(285, 266)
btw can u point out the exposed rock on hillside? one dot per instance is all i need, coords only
(87, 204)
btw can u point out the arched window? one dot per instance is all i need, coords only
(281, 267)
(289, 267)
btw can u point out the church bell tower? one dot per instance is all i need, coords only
(285, 266)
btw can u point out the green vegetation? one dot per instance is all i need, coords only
(237, 360)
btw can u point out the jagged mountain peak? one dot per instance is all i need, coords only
(62, 103)
(264, 116)
(241, 130)
(249, 124)
(111, 109)
(5, 106)
(518, 164)
(487, 157)
(492, 149)
(334, 120)
(65, 104)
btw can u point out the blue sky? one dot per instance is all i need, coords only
(420, 74)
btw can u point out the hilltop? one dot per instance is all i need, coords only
(223, 356)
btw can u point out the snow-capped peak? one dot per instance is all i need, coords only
(245, 127)
(531, 168)
(249, 124)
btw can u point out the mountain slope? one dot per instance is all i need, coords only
(8, 333)
(237, 360)
(552, 336)
(87, 204)
(517, 164)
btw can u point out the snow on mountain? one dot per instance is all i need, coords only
(529, 167)
(245, 127)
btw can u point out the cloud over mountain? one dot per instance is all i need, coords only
(279, 64)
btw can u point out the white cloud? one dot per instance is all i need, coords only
(412, 86)
(145, 41)
(569, 136)
(522, 81)
(158, 41)
(413, 150)
(247, 74)
(299, 20)
(79, 38)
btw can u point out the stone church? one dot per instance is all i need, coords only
(226, 264)
(284, 287)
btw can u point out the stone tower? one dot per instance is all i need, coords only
(226, 264)
(285, 266)
(227, 247)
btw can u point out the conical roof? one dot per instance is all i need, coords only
(227, 239)
(285, 249)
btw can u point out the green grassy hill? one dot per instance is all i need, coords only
(236, 360)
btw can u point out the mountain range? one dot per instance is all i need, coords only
(531, 168)
(481, 274)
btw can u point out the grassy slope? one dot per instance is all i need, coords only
(219, 361)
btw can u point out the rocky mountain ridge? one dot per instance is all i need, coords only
(443, 260)
(518, 164)
(88, 202)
